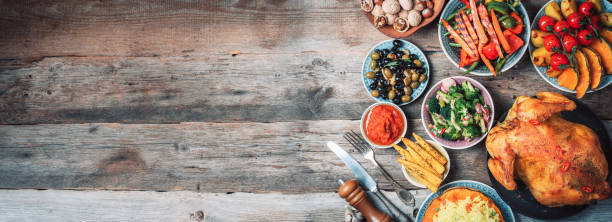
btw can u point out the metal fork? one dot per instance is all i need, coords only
(368, 153)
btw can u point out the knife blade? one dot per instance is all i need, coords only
(361, 174)
(366, 180)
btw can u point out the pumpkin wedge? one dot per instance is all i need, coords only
(584, 78)
(552, 73)
(595, 66)
(604, 49)
(568, 79)
(607, 34)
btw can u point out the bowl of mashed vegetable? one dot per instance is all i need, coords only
(383, 124)
(457, 112)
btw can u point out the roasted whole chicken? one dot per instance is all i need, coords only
(561, 162)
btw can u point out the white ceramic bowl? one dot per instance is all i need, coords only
(363, 119)
(443, 152)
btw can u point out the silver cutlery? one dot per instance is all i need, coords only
(368, 153)
(366, 180)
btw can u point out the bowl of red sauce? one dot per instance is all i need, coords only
(383, 124)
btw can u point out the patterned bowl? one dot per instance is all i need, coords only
(387, 44)
(505, 210)
(453, 52)
(458, 144)
(606, 80)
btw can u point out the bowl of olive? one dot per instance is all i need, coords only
(395, 71)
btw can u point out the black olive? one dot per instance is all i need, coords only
(399, 54)
(379, 88)
(410, 65)
(373, 85)
(401, 92)
(398, 86)
(378, 74)
(386, 51)
(397, 100)
(420, 70)
(398, 71)
(393, 69)
(413, 56)
(394, 49)
(398, 79)
(397, 43)
(384, 94)
(386, 61)
(378, 51)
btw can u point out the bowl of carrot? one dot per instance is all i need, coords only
(486, 41)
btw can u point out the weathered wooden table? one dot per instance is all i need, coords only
(210, 110)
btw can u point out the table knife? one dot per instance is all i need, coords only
(365, 179)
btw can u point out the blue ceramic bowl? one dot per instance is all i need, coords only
(483, 188)
(606, 80)
(453, 52)
(388, 44)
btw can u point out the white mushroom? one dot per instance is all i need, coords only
(378, 11)
(391, 6)
(367, 5)
(380, 21)
(414, 18)
(390, 18)
(400, 24)
(406, 4)
(419, 5)
(403, 14)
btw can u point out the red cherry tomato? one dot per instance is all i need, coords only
(585, 37)
(559, 61)
(546, 23)
(587, 8)
(569, 42)
(594, 22)
(561, 27)
(587, 189)
(576, 20)
(552, 43)
(489, 51)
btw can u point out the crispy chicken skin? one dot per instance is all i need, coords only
(561, 162)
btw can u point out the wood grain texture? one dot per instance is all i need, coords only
(288, 157)
(169, 62)
(63, 205)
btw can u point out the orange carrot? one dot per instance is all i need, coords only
(485, 60)
(470, 27)
(482, 36)
(484, 17)
(458, 39)
(502, 39)
(463, 31)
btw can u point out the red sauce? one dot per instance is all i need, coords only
(383, 124)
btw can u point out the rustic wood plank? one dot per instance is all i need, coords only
(90, 69)
(287, 157)
(64, 205)
(241, 88)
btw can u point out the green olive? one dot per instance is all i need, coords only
(414, 76)
(373, 65)
(374, 93)
(375, 56)
(407, 90)
(390, 56)
(406, 72)
(406, 98)
(406, 57)
(387, 73)
(414, 85)
(391, 94)
(422, 77)
(417, 63)
(407, 80)
(370, 75)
